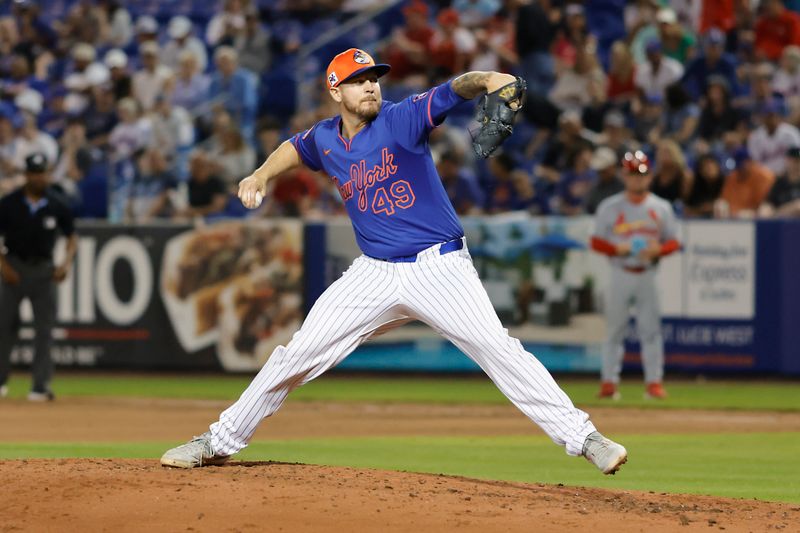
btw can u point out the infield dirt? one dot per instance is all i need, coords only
(138, 495)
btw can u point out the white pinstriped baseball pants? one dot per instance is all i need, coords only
(445, 292)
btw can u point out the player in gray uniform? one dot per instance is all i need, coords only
(635, 228)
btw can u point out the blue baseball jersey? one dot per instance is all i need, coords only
(386, 176)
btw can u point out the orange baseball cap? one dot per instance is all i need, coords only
(351, 63)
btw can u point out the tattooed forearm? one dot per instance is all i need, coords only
(471, 84)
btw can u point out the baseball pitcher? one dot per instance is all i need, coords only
(415, 264)
(635, 229)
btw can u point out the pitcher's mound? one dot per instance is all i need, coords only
(141, 496)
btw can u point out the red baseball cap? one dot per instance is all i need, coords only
(636, 162)
(416, 7)
(448, 17)
(351, 63)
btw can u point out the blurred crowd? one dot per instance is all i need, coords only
(157, 109)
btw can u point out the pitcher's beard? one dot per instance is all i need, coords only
(364, 112)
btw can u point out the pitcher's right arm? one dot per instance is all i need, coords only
(283, 159)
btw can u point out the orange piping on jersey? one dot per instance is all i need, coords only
(339, 133)
(308, 132)
(430, 99)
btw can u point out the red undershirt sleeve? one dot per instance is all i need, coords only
(603, 246)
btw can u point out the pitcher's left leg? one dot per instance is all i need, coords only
(447, 294)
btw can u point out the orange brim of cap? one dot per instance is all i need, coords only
(381, 69)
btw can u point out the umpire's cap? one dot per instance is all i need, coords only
(350, 63)
(36, 163)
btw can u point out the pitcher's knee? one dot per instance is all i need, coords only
(494, 344)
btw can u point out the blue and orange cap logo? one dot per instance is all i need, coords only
(351, 63)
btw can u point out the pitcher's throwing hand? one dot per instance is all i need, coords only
(251, 191)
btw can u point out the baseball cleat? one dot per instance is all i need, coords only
(196, 452)
(3, 391)
(655, 391)
(41, 396)
(608, 391)
(604, 453)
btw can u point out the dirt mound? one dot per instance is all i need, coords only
(138, 495)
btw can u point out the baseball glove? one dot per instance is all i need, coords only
(496, 117)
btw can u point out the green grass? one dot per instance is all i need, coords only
(762, 466)
(784, 396)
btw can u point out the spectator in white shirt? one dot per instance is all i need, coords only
(30, 139)
(8, 154)
(786, 81)
(131, 134)
(180, 33)
(121, 81)
(252, 43)
(117, 24)
(146, 29)
(172, 128)
(152, 79)
(227, 24)
(234, 157)
(571, 91)
(190, 87)
(658, 72)
(769, 143)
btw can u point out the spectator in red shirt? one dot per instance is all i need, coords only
(776, 29)
(574, 34)
(294, 193)
(408, 51)
(621, 71)
(453, 45)
(717, 14)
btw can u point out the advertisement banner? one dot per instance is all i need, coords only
(223, 296)
(549, 290)
(169, 296)
(720, 270)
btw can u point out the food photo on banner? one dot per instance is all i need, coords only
(176, 296)
(236, 286)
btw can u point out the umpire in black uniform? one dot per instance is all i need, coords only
(30, 219)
